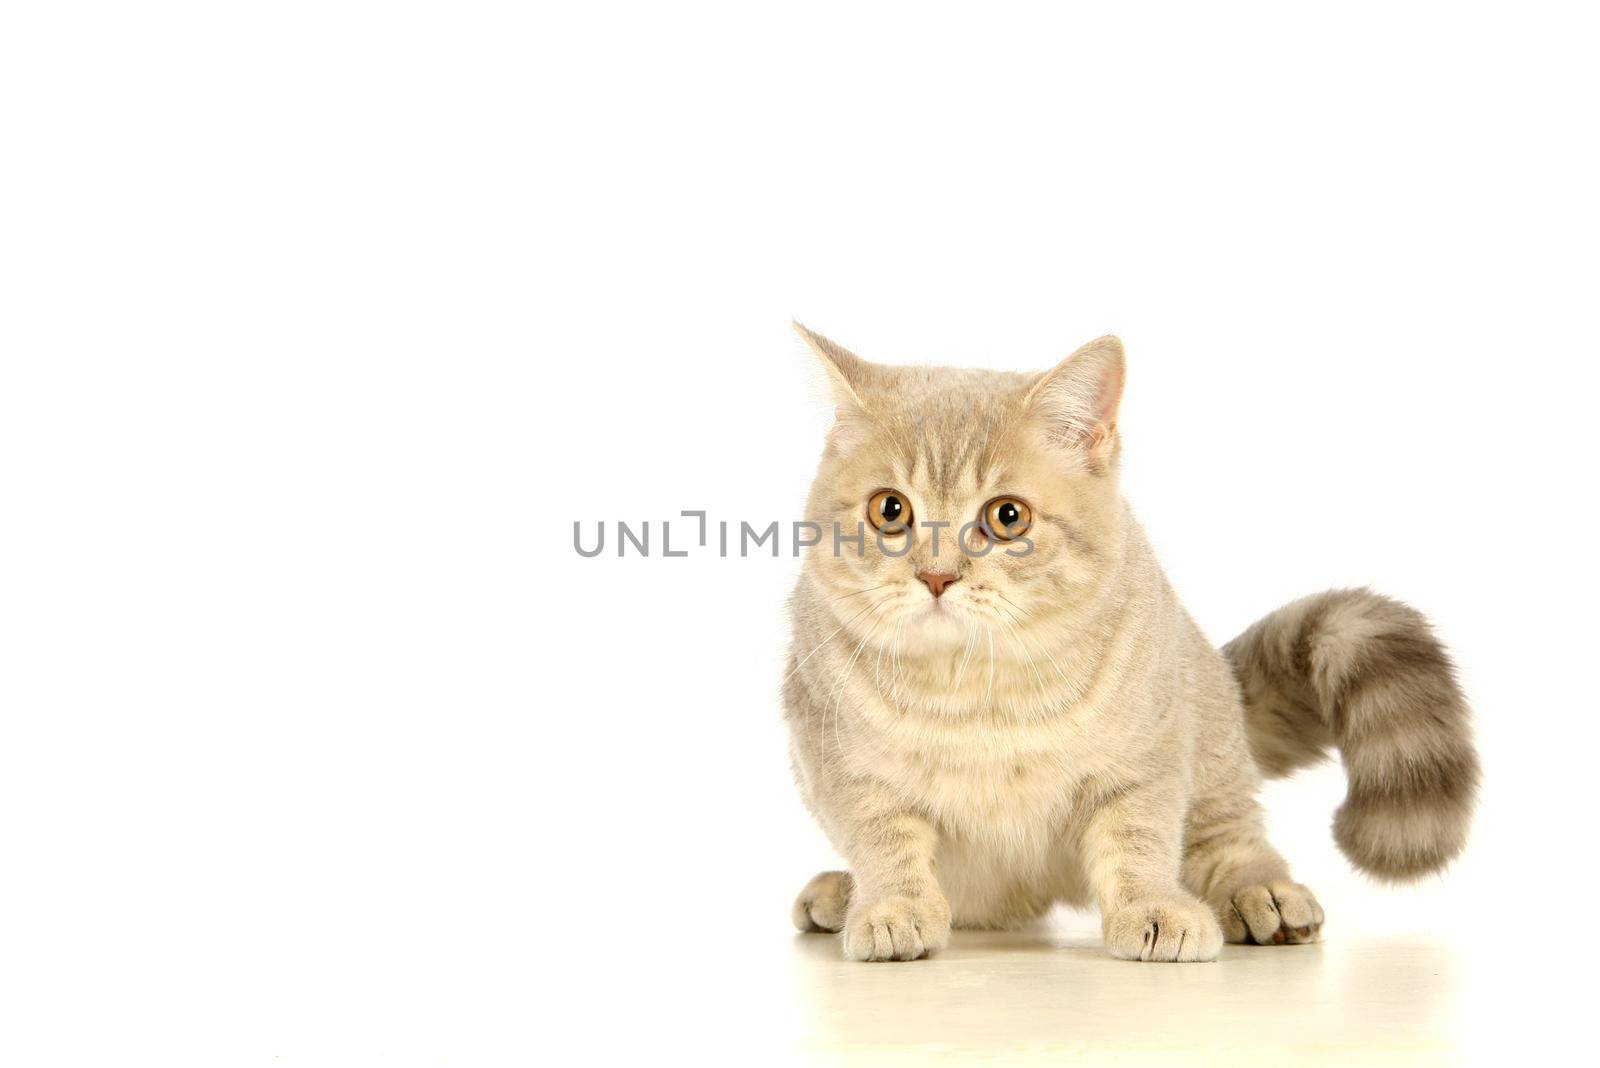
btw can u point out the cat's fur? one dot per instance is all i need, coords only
(1055, 728)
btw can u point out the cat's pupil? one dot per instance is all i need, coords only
(1008, 515)
(891, 508)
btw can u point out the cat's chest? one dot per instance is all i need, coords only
(977, 777)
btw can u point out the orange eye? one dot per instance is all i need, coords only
(1005, 518)
(889, 511)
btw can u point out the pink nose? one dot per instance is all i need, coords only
(936, 581)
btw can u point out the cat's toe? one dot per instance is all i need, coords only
(896, 928)
(823, 903)
(1275, 914)
(1166, 930)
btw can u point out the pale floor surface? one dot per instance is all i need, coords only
(1039, 995)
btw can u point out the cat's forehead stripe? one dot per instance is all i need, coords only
(941, 466)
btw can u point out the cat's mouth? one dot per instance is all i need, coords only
(939, 611)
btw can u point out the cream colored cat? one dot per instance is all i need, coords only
(1014, 710)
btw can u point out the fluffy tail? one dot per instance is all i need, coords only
(1365, 673)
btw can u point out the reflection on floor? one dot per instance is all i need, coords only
(1054, 992)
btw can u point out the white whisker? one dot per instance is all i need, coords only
(1041, 650)
(972, 636)
(820, 644)
(990, 688)
(844, 680)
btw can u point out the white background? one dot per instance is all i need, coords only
(322, 323)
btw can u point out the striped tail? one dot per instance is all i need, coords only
(1365, 673)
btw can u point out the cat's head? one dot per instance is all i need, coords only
(986, 502)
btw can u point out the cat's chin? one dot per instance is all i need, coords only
(938, 624)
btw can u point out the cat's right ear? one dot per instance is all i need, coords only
(1078, 399)
(848, 375)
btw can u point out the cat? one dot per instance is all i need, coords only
(996, 702)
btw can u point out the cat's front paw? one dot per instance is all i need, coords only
(897, 928)
(1274, 914)
(1171, 929)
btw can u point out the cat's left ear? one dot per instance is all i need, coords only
(849, 378)
(1077, 400)
(847, 372)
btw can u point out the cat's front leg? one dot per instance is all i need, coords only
(1133, 852)
(897, 910)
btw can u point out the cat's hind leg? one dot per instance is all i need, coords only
(823, 903)
(1230, 865)
(1271, 914)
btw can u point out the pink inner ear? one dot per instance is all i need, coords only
(850, 425)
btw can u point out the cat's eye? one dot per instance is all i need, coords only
(889, 511)
(1005, 518)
